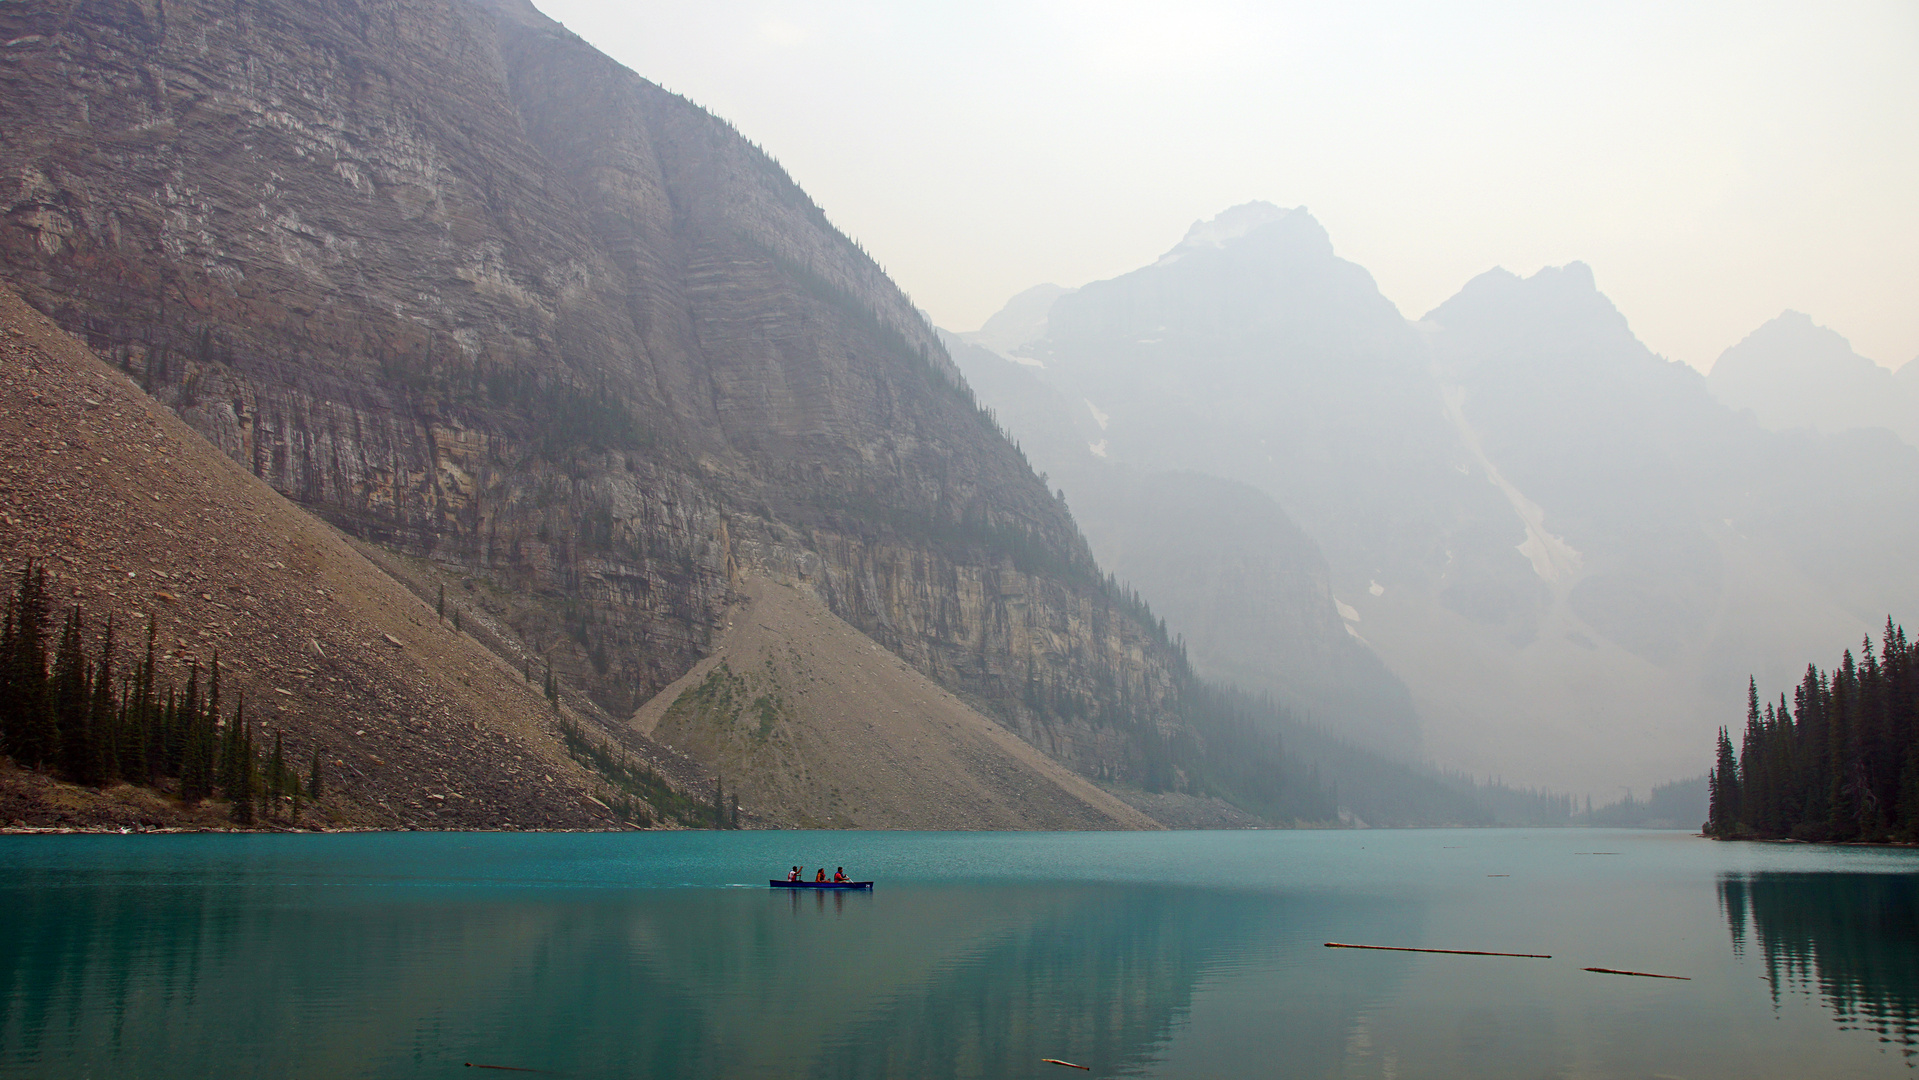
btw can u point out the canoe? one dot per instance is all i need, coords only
(821, 884)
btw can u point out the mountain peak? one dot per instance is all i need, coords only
(1554, 296)
(1021, 321)
(1792, 338)
(1238, 222)
(1793, 372)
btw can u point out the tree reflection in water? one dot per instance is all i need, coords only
(1850, 939)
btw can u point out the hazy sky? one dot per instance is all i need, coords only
(1714, 163)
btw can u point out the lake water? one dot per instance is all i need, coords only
(1175, 955)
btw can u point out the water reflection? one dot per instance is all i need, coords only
(258, 975)
(1851, 940)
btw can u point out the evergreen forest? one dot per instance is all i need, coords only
(84, 720)
(1839, 762)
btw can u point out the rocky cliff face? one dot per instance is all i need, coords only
(468, 289)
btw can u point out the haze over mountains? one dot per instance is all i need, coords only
(568, 347)
(1794, 373)
(545, 336)
(1567, 549)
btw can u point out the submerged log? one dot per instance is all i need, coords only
(1451, 952)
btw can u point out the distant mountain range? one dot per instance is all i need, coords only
(553, 344)
(1562, 544)
(1793, 373)
(567, 350)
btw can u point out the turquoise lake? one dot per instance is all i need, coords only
(978, 954)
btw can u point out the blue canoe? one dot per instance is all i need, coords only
(821, 884)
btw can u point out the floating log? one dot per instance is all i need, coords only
(502, 1068)
(1068, 1064)
(1641, 974)
(1450, 952)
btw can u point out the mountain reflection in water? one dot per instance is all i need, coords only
(1148, 955)
(397, 980)
(1850, 939)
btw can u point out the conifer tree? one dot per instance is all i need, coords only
(1723, 785)
(235, 762)
(143, 718)
(6, 678)
(1839, 761)
(198, 750)
(277, 776)
(32, 736)
(213, 693)
(316, 787)
(240, 788)
(73, 699)
(171, 736)
(103, 719)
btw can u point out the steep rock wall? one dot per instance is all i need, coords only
(469, 289)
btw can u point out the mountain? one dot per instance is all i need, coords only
(1247, 590)
(139, 519)
(811, 716)
(1570, 552)
(536, 332)
(1793, 373)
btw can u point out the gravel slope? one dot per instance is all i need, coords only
(137, 516)
(816, 725)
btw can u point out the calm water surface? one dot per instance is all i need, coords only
(1174, 955)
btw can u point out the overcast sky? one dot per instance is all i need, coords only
(1714, 163)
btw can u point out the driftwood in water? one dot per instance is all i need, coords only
(1641, 974)
(1068, 1064)
(1451, 952)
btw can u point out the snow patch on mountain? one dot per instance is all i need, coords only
(1229, 226)
(1553, 559)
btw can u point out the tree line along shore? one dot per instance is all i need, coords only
(1838, 763)
(81, 719)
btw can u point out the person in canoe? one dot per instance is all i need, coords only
(820, 875)
(793, 874)
(839, 876)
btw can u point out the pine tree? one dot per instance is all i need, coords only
(73, 700)
(197, 744)
(103, 719)
(172, 733)
(277, 775)
(232, 761)
(240, 787)
(316, 787)
(1839, 761)
(1723, 784)
(136, 721)
(32, 736)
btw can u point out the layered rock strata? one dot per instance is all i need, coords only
(469, 290)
